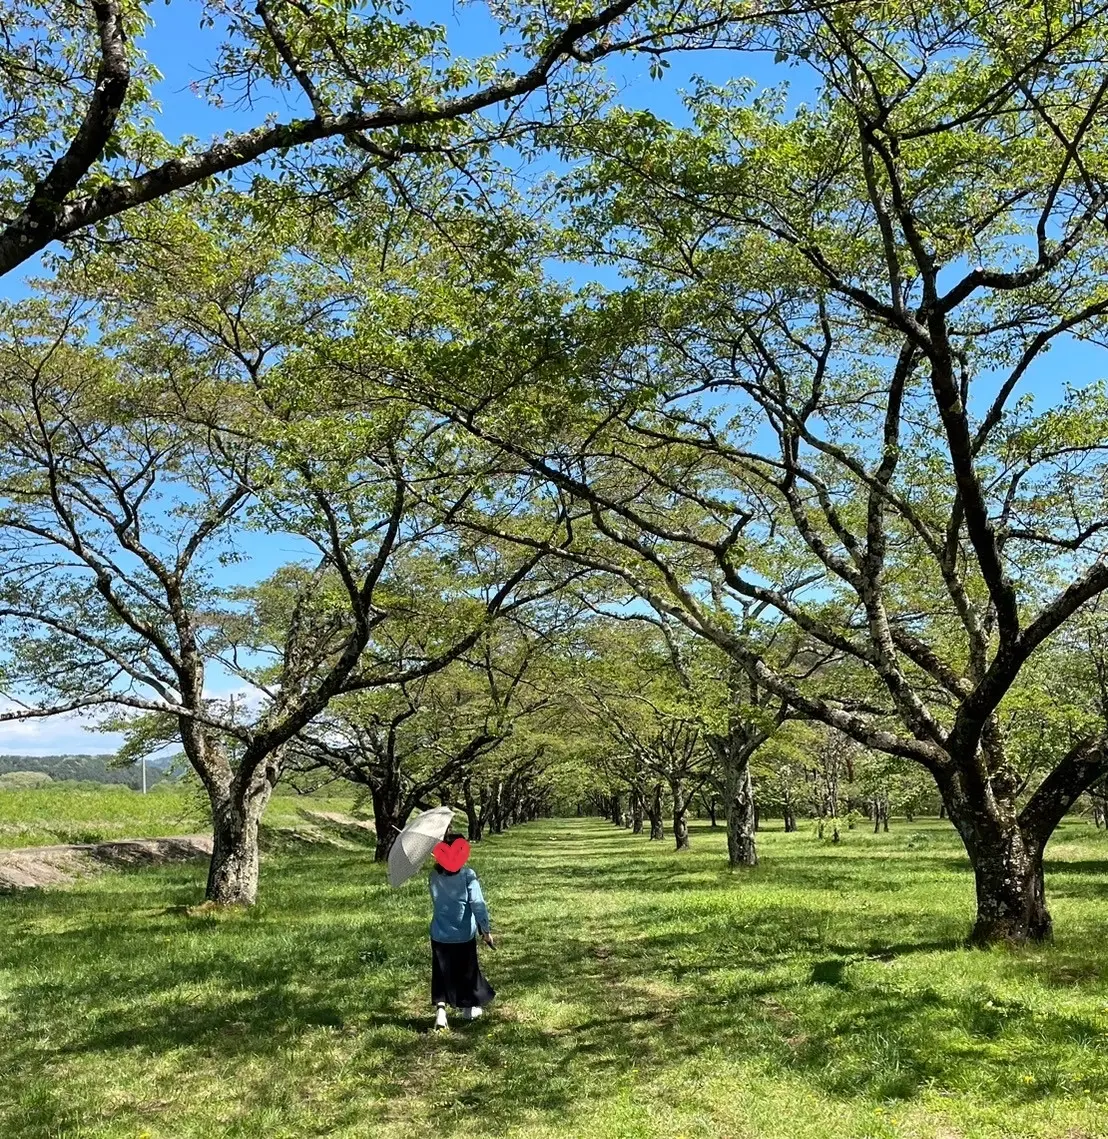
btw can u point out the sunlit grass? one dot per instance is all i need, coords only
(644, 994)
(63, 813)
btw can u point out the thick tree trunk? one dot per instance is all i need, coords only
(617, 809)
(1007, 868)
(1011, 900)
(741, 817)
(386, 836)
(386, 821)
(680, 814)
(233, 870)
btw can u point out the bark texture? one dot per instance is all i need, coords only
(742, 848)
(234, 866)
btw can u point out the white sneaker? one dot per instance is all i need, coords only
(473, 1013)
(440, 1017)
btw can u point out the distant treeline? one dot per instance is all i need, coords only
(84, 768)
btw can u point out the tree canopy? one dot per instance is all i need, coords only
(733, 427)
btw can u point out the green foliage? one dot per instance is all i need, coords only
(798, 399)
(372, 98)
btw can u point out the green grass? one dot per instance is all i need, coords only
(59, 813)
(642, 994)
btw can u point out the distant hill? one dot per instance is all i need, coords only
(86, 768)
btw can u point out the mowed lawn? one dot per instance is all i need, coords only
(642, 994)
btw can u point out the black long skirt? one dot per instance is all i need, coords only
(456, 977)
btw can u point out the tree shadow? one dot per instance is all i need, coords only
(669, 982)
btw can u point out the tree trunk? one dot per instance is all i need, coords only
(233, 870)
(657, 830)
(942, 810)
(473, 818)
(712, 812)
(741, 818)
(636, 812)
(789, 813)
(1007, 868)
(386, 821)
(495, 818)
(1011, 900)
(1100, 807)
(680, 814)
(880, 814)
(617, 809)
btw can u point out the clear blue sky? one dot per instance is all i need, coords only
(182, 50)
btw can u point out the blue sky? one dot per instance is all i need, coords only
(182, 50)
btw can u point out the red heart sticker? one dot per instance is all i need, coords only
(453, 856)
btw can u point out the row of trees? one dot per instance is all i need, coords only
(796, 446)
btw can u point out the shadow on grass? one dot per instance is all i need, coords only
(701, 968)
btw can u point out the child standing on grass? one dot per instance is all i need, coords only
(459, 914)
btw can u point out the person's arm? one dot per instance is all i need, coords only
(480, 910)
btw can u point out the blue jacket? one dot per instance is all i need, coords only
(459, 909)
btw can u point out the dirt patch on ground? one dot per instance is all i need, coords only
(53, 866)
(37, 866)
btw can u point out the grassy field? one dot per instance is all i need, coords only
(642, 994)
(59, 813)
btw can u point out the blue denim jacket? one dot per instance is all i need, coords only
(459, 909)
